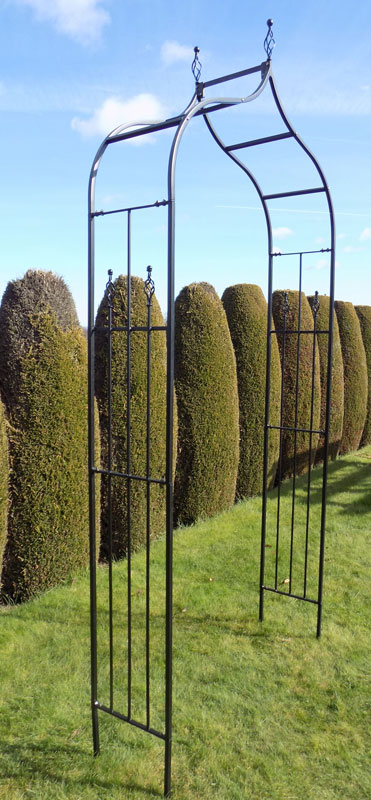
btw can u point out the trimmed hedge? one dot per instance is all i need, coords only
(138, 417)
(48, 517)
(364, 316)
(206, 387)
(337, 378)
(246, 310)
(4, 479)
(304, 384)
(355, 376)
(37, 291)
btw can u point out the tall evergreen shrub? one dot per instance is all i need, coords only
(289, 381)
(337, 377)
(364, 316)
(355, 376)
(206, 387)
(43, 366)
(246, 310)
(138, 417)
(4, 478)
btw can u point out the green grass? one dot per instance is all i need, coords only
(261, 711)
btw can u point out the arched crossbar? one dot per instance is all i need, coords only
(205, 107)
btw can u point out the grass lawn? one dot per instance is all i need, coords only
(261, 711)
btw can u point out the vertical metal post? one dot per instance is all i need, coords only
(328, 415)
(315, 307)
(295, 425)
(169, 467)
(128, 452)
(285, 308)
(91, 464)
(266, 422)
(149, 289)
(109, 295)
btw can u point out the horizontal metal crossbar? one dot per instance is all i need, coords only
(128, 476)
(128, 328)
(130, 721)
(305, 252)
(157, 204)
(254, 142)
(233, 75)
(281, 331)
(298, 430)
(290, 594)
(293, 194)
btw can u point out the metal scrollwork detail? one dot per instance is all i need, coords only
(285, 304)
(315, 304)
(149, 286)
(110, 289)
(269, 42)
(196, 65)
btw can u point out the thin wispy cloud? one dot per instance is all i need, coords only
(365, 235)
(282, 233)
(351, 249)
(172, 51)
(114, 112)
(81, 20)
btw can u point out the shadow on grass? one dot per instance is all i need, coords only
(54, 763)
(342, 478)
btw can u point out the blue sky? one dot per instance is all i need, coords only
(71, 70)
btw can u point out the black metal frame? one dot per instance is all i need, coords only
(198, 106)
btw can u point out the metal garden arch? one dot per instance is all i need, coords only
(198, 106)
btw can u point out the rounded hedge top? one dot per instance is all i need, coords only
(206, 387)
(288, 345)
(246, 310)
(36, 292)
(337, 377)
(138, 417)
(364, 316)
(355, 376)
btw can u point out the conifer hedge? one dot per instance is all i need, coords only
(138, 417)
(43, 366)
(4, 478)
(304, 383)
(246, 310)
(355, 376)
(206, 387)
(364, 316)
(337, 378)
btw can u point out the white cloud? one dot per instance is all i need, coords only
(365, 235)
(350, 249)
(282, 233)
(114, 112)
(341, 236)
(82, 20)
(173, 51)
(276, 251)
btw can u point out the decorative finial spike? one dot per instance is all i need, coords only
(110, 289)
(269, 42)
(149, 286)
(196, 65)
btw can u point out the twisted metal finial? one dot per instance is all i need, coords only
(149, 286)
(110, 289)
(315, 304)
(196, 65)
(269, 42)
(285, 303)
